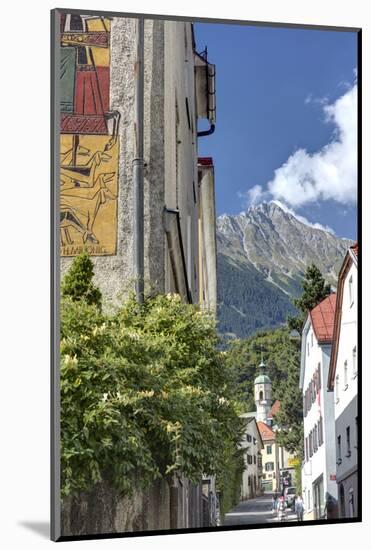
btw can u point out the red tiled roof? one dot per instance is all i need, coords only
(354, 247)
(205, 161)
(265, 431)
(274, 409)
(322, 317)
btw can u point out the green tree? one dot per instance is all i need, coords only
(78, 282)
(290, 415)
(315, 289)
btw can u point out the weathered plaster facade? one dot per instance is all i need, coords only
(170, 156)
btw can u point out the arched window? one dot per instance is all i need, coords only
(261, 395)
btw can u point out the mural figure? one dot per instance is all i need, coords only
(89, 138)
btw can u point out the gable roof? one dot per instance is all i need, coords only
(350, 257)
(266, 432)
(322, 317)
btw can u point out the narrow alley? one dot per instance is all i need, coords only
(257, 510)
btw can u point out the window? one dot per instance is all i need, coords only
(348, 442)
(337, 389)
(339, 460)
(356, 433)
(248, 437)
(254, 459)
(315, 438)
(254, 440)
(311, 339)
(308, 348)
(351, 291)
(345, 375)
(319, 376)
(310, 444)
(269, 449)
(261, 395)
(306, 449)
(320, 431)
(269, 466)
(188, 114)
(354, 362)
(249, 459)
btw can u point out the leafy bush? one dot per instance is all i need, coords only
(78, 282)
(144, 393)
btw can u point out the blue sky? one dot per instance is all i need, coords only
(279, 91)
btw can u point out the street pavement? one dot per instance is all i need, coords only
(255, 510)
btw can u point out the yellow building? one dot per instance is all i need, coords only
(270, 458)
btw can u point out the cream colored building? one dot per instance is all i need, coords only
(343, 382)
(253, 447)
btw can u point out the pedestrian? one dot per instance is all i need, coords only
(281, 508)
(299, 507)
(274, 504)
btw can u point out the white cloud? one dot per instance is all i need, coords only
(254, 195)
(330, 173)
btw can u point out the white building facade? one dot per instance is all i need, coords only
(252, 444)
(343, 382)
(319, 467)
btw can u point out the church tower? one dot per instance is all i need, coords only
(263, 394)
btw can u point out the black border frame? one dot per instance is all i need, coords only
(55, 511)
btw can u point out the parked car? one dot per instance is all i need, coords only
(289, 494)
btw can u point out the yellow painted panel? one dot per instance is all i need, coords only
(88, 196)
(96, 24)
(101, 55)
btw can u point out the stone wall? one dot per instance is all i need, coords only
(103, 510)
(160, 507)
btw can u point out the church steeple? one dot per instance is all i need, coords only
(263, 393)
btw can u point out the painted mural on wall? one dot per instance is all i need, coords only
(89, 138)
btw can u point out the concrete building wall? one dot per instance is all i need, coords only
(207, 258)
(181, 142)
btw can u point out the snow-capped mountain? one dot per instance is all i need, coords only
(262, 256)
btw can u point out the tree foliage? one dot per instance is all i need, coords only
(247, 302)
(78, 282)
(281, 355)
(144, 393)
(276, 348)
(315, 289)
(289, 418)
